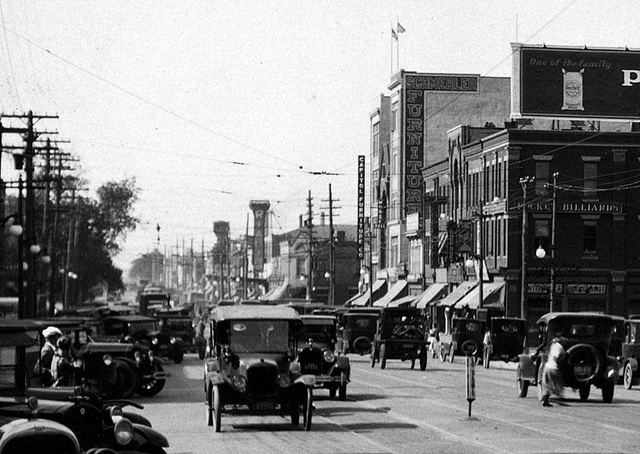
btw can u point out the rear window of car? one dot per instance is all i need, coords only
(582, 330)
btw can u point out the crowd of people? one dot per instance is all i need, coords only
(58, 360)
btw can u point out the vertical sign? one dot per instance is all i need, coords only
(471, 379)
(260, 209)
(361, 207)
(414, 145)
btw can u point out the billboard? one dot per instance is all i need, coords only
(569, 82)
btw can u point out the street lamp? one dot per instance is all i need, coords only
(524, 182)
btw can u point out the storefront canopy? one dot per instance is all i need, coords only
(276, 293)
(433, 293)
(397, 290)
(472, 299)
(458, 293)
(378, 290)
(408, 300)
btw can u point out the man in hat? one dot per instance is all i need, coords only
(51, 335)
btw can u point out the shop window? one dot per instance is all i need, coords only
(589, 238)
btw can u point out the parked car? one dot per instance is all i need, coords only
(629, 352)
(178, 333)
(358, 328)
(250, 364)
(97, 425)
(400, 334)
(465, 339)
(508, 337)
(586, 340)
(317, 354)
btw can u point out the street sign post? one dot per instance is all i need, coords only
(471, 380)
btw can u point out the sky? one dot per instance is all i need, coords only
(210, 104)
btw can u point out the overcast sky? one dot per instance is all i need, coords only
(210, 104)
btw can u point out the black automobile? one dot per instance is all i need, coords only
(358, 328)
(629, 352)
(400, 334)
(96, 424)
(465, 339)
(250, 365)
(178, 332)
(586, 339)
(508, 337)
(317, 354)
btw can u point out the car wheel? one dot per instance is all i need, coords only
(579, 357)
(443, 355)
(452, 354)
(413, 363)
(151, 386)
(383, 356)
(523, 385)
(209, 405)
(607, 392)
(342, 390)
(332, 391)
(628, 376)
(126, 381)
(423, 358)
(294, 410)
(373, 355)
(217, 408)
(362, 345)
(201, 352)
(178, 354)
(584, 391)
(308, 410)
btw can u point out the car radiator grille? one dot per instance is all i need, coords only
(38, 444)
(262, 380)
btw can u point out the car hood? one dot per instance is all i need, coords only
(277, 359)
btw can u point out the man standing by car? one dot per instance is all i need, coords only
(551, 376)
(48, 351)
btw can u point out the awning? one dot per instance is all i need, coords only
(404, 301)
(397, 290)
(379, 288)
(473, 297)
(276, 293)
(432, 293)
(458, 293)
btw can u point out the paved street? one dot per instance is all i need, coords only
(399, 410)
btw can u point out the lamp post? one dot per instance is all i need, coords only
(540, 252)
(524, 182)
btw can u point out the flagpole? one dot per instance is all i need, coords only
(391, 51)
(397, 45)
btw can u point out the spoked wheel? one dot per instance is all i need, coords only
(308, 410)
(628, 376)
(151, 386)
(217, 408)
(443, 355)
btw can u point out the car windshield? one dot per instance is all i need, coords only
(177, 324)
(319, 333)
(259, 336)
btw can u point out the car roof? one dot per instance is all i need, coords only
(317, 319)
(546, 318)
(130, 318)
(254, 312)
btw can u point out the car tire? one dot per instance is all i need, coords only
(308, 409)
(608, 389)
(150, 387)
(209, 405)
(332, 391)
(201, 352)
(178, 354)
(452, 354)
(383, 356)
(423, 358)
(362, 345)
(217, 408)
(342, 390)
(580, 350)
(627, 376)
(584, 391)
(126, 381)
(294, 411)
(443, 355)
(373, 355)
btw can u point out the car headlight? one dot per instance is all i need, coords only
(154, 341)
(151, 356)
(328, 356)
(173, 340)
(284, 381)
(138, 357)
(123, 431)
(107, 360)
(239, 382)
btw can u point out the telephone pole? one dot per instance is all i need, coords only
(309, 224)
(332, 251)
(524, 182)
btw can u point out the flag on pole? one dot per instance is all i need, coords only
(400, 28)
(394, 35)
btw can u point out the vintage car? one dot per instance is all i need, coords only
(118, 369)
(358, 328)
(97, 425)
(250, 364)
(178, 333)
(628, 352)
(317, 354)
(508, 337)
(585, 337)
(400, 334)
(465, 339)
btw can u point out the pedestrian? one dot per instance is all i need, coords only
(551, 381)
(487, 348)
(63, 368)
(47, 352)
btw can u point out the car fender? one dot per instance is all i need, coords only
(307, 380)
(633, 362)
(214, 378)
(526, 367)
(147, 435)
(612, 372)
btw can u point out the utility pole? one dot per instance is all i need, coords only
(245, 260)
(524, 182)
(332, 251)
(553, 243)
(310, 249)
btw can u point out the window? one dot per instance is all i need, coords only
(590, 164)
(542, 174)
(394, 116)
(301, 268)
(589, 238)
(541, 229)
(393, 253)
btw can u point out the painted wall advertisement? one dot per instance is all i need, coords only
(575, 82)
